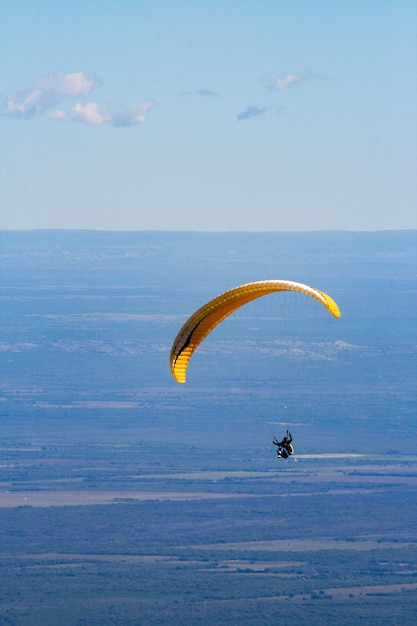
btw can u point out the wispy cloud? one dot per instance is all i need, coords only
(135, 114)
(43, 96)
(285, 81)
(47, 92)
(204, 93)
(251, 111)
(207, 93)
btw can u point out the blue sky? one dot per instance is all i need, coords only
(209, 115)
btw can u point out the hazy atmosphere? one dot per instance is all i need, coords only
(208, 115)
(162, 461)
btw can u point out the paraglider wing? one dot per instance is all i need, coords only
(207, 317)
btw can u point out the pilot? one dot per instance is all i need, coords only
(284, 447)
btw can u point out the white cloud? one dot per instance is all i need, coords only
(75, 84)
(58, 114)
(90, 113)
(136, 114)
(44, 94)
(96, 114)
(285, 81)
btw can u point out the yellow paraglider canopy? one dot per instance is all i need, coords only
(207, 317)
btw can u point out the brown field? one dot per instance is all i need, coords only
(75, 498)
(302, 545)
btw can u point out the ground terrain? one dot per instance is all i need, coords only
(128, 499)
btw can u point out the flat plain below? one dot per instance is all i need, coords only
(128, 499)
